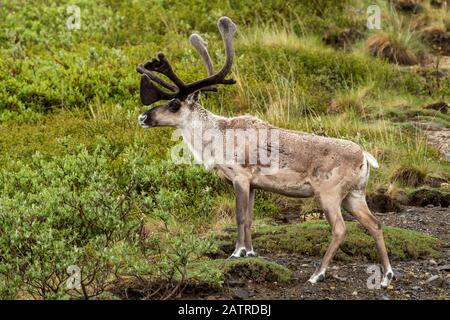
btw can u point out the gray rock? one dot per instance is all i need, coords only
(235, 283)
(432, 278)
(445, 267)
(343, 279)
(241, 294)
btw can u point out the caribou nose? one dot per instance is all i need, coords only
(142, 118)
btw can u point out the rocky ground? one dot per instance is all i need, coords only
(416, 279)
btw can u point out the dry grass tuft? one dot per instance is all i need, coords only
(409, 176)
(385, 47)
(408, 6)
(438, 39)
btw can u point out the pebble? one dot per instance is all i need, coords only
(433, 262)
(343, 279)
(390, 287)
(355, 293)
(236, 283)
(445, 267)
(241, 293)
(305, 265)
(432, 278)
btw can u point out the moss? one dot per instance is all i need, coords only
(215, 273)
(313, 237)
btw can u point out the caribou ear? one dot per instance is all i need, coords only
(193, 98)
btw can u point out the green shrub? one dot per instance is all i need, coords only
(87, 209)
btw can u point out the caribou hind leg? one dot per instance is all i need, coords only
(355, 203)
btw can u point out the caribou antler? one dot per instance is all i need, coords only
(151, 93)
(202, 48)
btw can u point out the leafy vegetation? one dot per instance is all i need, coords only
(81, 184)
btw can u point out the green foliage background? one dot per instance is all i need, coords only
(80, 181)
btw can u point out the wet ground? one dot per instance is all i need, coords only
(416, 279)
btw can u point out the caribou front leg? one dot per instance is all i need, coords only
(242, 190)
(248, 225)
(331, 204)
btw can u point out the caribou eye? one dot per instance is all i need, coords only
(174, 105)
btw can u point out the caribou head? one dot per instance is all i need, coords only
(182, 97)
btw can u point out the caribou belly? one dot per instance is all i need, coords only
(288, 183)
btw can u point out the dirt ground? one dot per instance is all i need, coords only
(418, 279)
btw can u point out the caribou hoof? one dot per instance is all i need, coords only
(387, 278)
(317, 278)
(238, 253)
(251, 254)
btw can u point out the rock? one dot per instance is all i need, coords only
(343, 279)
(390, 287)
(445, 267)
(398, 274)
(355, 293)
(428, 126)
(440, 139)
(434, 182)
(305, 265)
(433, 262)
(432, 278)
(417, 288)
(236, 283)
(240, 294)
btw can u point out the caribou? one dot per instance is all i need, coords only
(333, 171)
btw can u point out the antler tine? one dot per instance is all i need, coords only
(162, 65)
(150, 93)
(142, 70)
(202, 48)
(227, 30)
